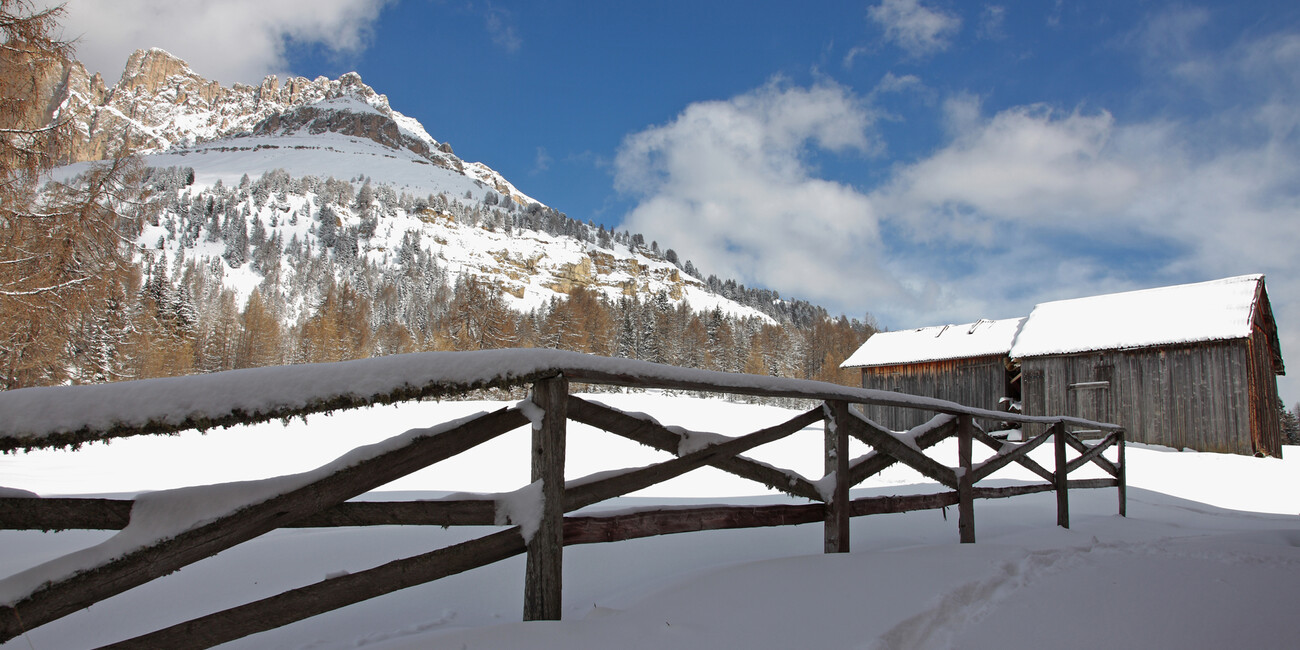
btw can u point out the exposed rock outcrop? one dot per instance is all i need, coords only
(160, 103)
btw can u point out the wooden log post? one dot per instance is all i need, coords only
(837, 463)
(544, 569)
(965, 480)
(1062, 477)
(1120, 478)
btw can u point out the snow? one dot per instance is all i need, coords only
(522, 508)
(323, 155)
(349, 104)
(693, 441)
(826, 486)
(165, 514)
(1188, 313)
(1209, 555)
(979, 339)
(533, 412)
(489, 176)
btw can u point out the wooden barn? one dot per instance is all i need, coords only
(961, 363)
(1189, 366)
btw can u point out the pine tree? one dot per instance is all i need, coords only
(236, 241)
(694, 344)
(627, 335)
(478, 318)
(340, 327)
(1290, 423)
(259, 335)
(62, 253)
(329, 223)
(345, 246)
(101, 342)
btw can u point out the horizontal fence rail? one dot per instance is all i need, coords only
(74, 415)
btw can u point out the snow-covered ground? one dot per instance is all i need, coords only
(1207, 557)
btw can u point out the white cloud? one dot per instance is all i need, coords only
(729, 184)
(920, 31)
(1019, 206)
(501, 27)
(1054, 17)
(891, 83)
(1081, 202)
(1033, 204)
(1026, 164)
(225, 40)
(992, 19)
(542, 162)
(852, 54)
(1077, 176)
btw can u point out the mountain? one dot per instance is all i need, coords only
(319, 202)
(160, 105)
(343, 129)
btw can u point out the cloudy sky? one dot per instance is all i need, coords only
(923, 161)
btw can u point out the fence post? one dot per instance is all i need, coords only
(1062, 479)
(965, 483)
(1122, 479)
(544, 570)
(837, 461)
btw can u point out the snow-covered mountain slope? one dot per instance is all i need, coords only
(444, 214)
(323, 155)
(466, 215)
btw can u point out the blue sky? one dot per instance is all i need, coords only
(924, 161)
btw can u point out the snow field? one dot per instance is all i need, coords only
(1176, 572)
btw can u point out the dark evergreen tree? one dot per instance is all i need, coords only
(236, 242)
(1290, 423)
(327, 231)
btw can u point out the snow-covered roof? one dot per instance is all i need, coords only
(1188, 313)
(979, 339)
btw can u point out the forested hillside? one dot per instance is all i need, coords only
(294, 270)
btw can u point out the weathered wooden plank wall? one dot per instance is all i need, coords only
(980, 382)
(1196, 396)
(1265, 425)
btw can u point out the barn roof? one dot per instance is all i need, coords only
(1187, 313)
(978, 339)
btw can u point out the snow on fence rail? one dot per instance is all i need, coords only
(165, 531)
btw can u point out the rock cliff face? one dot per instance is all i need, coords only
(160, 104)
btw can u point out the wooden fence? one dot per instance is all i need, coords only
(323, 501)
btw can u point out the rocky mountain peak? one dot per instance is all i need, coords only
(160, 104)
(154, 70)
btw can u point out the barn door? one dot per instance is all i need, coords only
(1090, 397)
(1033, 400)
